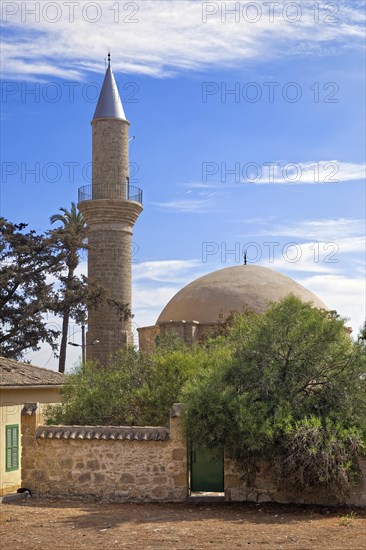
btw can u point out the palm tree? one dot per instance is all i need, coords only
(71, 237)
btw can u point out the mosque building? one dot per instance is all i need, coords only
(111, 207)
(196, 309)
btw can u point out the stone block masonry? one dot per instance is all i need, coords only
(105, 463)
(132, 464)
(110, 156)
(264, 489)
(110, 213)
(110, 225)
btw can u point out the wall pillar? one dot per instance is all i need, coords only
(31, 418)
(179, 452)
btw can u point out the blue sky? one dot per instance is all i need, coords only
(292, 132)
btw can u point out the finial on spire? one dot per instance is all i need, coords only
(109, 103)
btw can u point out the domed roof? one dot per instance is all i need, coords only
(233, 289)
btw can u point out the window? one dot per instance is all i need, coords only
(12, 447)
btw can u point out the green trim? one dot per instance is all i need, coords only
(12, 447)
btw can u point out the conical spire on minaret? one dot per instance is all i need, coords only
(109, 103)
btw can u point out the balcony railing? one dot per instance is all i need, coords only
(110, 191)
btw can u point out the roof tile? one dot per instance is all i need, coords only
(14, 373)
(122, 433)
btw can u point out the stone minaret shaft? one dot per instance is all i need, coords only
(110, 208)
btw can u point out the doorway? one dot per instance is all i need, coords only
(207, 470)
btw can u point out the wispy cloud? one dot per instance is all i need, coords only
(314, 172)
(202, 185)
(347, 295)
(323, 229)
(316, 256)
(280, 172)
(156, 282)
(310, 257)
(148, 303)
(161, 37)
(321, 246)
(193, 206)
(168, 271)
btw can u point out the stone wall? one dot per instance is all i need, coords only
(189, 331)
(265, 490)
(106, 463)
(138, 464)
(147, 337)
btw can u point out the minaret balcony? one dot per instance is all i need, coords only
(123, 192)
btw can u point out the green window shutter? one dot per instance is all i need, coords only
(12, 447)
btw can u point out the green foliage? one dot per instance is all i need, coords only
(348, 519)
(133, 389)
(75, 295)
(68, 240)
(71, 236)
(292, 389)
(166, 371)
(362, 333)
(37, 277)
(316, 454)
(100, 396)
(25, 294)
(286, 388)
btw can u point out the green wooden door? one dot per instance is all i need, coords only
(207, 470)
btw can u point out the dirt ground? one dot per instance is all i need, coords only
(49, 524)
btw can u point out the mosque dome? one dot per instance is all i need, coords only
(233, 289)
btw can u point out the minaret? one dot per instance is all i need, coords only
(110, 207)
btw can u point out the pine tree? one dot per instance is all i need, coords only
(25, 295)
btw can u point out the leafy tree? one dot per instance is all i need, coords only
(100, 396)
(25, 295)
(362, 333)
(37, 277)
(133, 389)
(286, 388)
(172, 365)
(292, 395)
(76, 295)
(68, 240)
